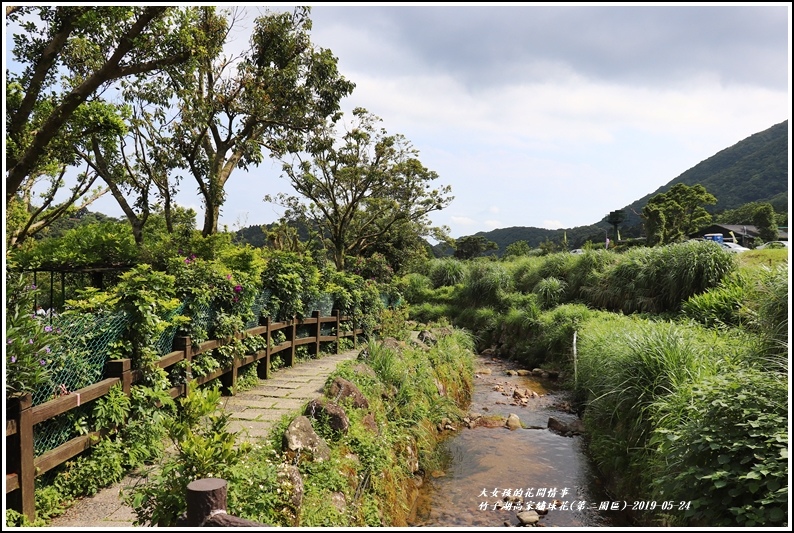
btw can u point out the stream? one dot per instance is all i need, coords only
(491, 474)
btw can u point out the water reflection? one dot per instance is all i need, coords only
(486, 465)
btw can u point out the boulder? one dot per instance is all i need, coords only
(513, 422)
(341, 389)
(328, 412)
(300, 438)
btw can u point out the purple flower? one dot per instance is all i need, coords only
(47, 328)
(42, 362)
(47, 349)
(238, 288)
(30, 341)
(10, 341)
(228, 276)
(13, 359)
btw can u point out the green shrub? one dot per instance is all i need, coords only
(728, 453)
(416, 286)
(446, 272)
(550, 292)
(486, 284)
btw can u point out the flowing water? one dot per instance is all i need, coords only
(485, 467)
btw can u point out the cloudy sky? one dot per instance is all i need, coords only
(547, 115)
(553, 116)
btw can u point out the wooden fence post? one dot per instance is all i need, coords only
(317, 331)
(20, 456)
(292, 335)
(263, 369)
(183, 344)
(122, 369)
(336, 314)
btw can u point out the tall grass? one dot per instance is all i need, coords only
(660, 279)
(632, 373)
(525, 272)
(550, 292)
(486, 284)
(719, 306)
(446, 272)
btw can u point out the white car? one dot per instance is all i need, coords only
(735, 248)
(773, 244)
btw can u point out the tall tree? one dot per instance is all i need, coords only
(67, 56)
(473, 246)
(672, 216)
(233, 108)
(361, 186)
(615, 219)
(765, 220)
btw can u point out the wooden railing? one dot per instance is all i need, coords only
(22, 466)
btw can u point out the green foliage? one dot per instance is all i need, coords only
(415, 287)
(673, 215)
(362, 187)
(630, 375)
(446, 272)
(27, 338)
(486, 284)
(218, 299)
(293, 280)
(375, 267)
(473, 246)
(660, 279)
(393, 322)
(204, 448)
(112, 410)
(516, 249)
(550, 292)
(721, 306)
(102, 244)
(147, 298)
(728, 452)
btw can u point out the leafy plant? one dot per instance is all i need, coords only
(27, 338)
(204, 448)
(729, 452)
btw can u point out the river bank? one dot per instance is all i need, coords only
(493, 474)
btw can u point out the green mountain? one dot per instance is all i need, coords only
(752, 170)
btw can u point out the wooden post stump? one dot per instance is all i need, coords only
(205, 498)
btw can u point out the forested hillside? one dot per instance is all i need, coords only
(752, 170)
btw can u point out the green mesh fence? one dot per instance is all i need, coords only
(390, 301)
(201, 321)
(165, 343)
(323, 303)
(259, 304)
(76, 360)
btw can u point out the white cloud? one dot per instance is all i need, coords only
(552, 224)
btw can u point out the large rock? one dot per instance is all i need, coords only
(328, 412)
(290, 479)
(513, 422)
(300, 438)
(340, 389)
(566, 428)
(427, 337)
(392, 344)
(528, 518)
(370, 423)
